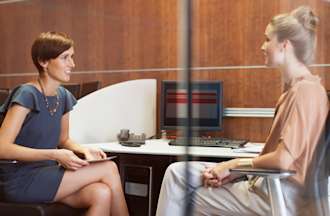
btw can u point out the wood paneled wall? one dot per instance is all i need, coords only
(118, 40)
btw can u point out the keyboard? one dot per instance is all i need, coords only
(210, 142)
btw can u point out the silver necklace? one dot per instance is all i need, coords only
(52, 110)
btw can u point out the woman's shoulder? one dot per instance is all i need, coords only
(25, 88)
(25, 95)
(63, 91)
(310, 90)
(68, 99)
(309, 85)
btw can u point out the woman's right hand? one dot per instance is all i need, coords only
(219, 174)
(69, 160)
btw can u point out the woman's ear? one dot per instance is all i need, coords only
(287, 44)
(283, 45)
(43, 64)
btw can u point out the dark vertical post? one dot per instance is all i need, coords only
(185, 40)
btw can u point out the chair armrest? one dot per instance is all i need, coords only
(269, 173)
(39, 209)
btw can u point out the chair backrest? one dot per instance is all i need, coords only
(74, 88)
(316, 190)
(4, 93)
(99, 116)
(89, 87)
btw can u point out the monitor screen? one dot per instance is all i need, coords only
(207, 105)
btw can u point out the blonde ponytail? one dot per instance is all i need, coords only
(299, 27)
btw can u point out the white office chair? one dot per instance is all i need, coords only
(99, 116)
(316, 188)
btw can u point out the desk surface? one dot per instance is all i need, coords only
(161, 147)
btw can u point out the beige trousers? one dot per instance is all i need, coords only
(233, 199)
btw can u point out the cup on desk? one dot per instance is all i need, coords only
(163, 134)
(123, 135)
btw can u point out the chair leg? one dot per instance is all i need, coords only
(276, 197)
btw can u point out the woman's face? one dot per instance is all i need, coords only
(272, 49)
(61, 67)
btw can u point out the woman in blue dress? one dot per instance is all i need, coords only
(35, 133)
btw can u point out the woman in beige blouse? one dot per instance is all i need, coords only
(300, 117)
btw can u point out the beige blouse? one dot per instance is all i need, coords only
(301, 112)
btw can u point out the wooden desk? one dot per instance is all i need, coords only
(161, 147)
(142, 168)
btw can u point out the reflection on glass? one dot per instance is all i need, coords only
(298, 139)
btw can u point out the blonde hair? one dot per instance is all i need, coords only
(299, 27)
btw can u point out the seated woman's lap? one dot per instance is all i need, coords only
(75, 180)
(230, 199)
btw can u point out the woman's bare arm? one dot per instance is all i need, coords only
(67, 143)
(8, 132)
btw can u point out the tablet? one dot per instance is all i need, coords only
(102, 159)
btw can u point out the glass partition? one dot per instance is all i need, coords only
(185, 41)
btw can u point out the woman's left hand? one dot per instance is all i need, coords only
(94, 153)
(219, 174)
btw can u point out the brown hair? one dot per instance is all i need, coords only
(299, 27)
(49, 45)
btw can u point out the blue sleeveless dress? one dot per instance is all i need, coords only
(38, 181)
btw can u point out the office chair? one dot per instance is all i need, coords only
(4, 93)
(89, 87)
(315, 190)
(54, 209)
(74, 88)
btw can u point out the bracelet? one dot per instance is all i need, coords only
(245, 162)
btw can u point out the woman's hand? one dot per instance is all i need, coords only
(94, 153)
(69, 160)
(219, 174)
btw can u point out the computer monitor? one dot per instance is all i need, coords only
(207, 105)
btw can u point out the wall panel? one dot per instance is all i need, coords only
(131, 39)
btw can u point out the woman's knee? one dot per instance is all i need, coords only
(110, 174)
(106, 168)
(174, 170)
(177, 166)
(181, 166)
(110, 166)
(100, 193)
